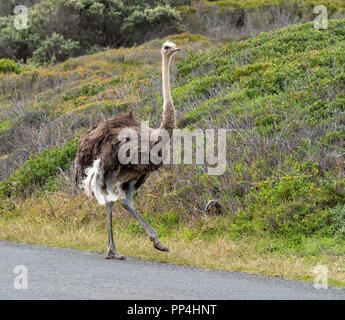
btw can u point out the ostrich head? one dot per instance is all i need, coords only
(169, 49)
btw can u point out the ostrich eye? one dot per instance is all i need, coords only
(166, 47)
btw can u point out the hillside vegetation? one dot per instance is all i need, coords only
(281, 97)
(239, 19)
(61, 29)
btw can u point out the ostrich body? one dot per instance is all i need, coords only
(98, 171)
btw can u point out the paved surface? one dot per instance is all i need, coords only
(56, 273)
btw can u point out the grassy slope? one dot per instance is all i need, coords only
(253, 4)
(237, 19)
(282, 96)
(79, 92)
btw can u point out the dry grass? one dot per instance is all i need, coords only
(36, 221)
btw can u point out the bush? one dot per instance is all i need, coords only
(296, 203)
(159, 21)
(60, 28)
(5, 126)
(55, 48)
(8, 65)
(38, 168)
(337, 215)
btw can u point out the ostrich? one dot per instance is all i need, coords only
(98, 171)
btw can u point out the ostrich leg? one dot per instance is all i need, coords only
(112, 252)
(128, 205)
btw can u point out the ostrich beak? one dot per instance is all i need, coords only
(176, 49)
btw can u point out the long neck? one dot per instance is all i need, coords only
(168, 121)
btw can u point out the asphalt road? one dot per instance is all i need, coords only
(56, 273)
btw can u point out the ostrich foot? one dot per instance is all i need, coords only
(157, 244)
(115, 255)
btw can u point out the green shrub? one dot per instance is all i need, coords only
(295, 203)
(337, 215)
(5, 126)
(140, 22)
(58, 29)
(8, 65)
(52, 184)
(38, 169)
(55, 48)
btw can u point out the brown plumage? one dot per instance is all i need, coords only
(101, 142)
(100, 173)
